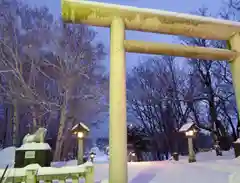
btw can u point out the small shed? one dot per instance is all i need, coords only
(189, 126)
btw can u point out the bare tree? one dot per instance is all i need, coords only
(74, 64)
(215, 86)
(49, 71)
(164, 95)
(19, 27)
(155, 94)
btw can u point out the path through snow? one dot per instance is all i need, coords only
(208, 169)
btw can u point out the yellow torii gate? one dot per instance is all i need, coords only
(121, 18)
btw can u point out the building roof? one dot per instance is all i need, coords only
(186, 127)
(79, 127)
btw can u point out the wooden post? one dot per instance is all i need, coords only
(117, 124)
(75, 180)
(191, 152)
(80, 151)
(89, 174)
(235, 68)
(31, 174)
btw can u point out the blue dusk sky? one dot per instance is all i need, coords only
(181, 6)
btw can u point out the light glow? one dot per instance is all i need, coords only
(189, 133)
(80, 134)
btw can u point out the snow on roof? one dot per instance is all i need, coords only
(186, 127)
(34, 146)
(82, 125)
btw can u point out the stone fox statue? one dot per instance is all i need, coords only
(37, 137)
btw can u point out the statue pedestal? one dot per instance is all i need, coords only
(32, 153)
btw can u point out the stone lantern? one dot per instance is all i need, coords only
(80, 130)
(190, 130)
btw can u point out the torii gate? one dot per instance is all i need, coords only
(121, 18)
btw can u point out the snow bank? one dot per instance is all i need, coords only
(41, 171)
(101, 159)
(7, 157)
(97, 160)
(100, 156)
(209, 168)
(237, 141)
(234, 178)
(211, 156)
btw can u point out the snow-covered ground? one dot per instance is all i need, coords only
(207, 169)
(7, 156)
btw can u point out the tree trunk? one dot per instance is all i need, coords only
(234, 131)
(34, 119)
(59, 142)
(5, 127)
(15, 122)
(67, 145)
(238, 126)
(139, 154)
(9, 124)
(66, 141)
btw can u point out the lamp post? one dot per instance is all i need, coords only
(80, 130)
(132, 156)
(80, 137)
(190, 129)
(190, 134)
(92, 156)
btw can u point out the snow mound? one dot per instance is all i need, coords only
(211, 156)
(97, 160)
(237, 141)
(209, 168)
(100, 156)
(234, 178)
(34, 146)
(101, 159)
(7, 157)
(71, 163)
